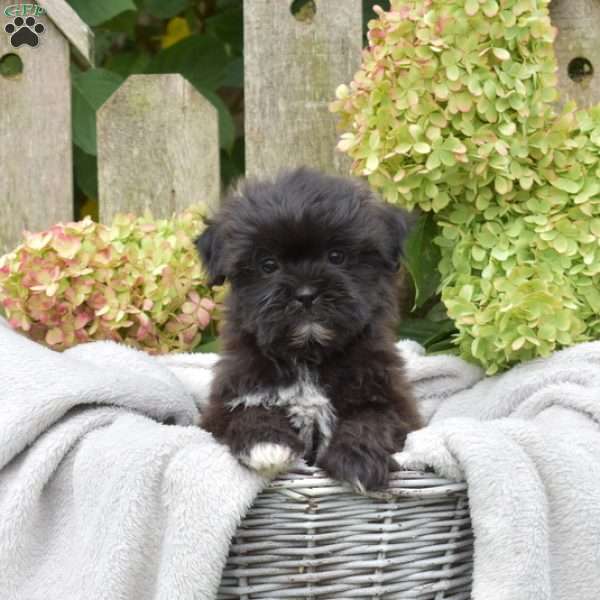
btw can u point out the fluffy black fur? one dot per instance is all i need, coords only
(312, 263)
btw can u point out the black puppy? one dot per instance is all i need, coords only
(309, 366)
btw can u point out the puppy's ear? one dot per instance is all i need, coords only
(397, 225)
(210, 247)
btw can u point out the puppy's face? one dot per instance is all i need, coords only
(311, 260)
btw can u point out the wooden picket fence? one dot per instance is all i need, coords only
(158, 145)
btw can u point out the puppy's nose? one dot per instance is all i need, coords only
(306, 295)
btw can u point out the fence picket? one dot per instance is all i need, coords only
(36, 180)
(158, 147)
(577, 50)
(292, 68)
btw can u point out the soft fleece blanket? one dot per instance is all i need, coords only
(101, 498)
(98, 498)
(528, 444)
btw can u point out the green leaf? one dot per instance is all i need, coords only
(201, 59)
(90, 90)
(444, 346)
(104, 41)
(128, 63)
(228, 26)
(419, 330)
(213, 345)
(165, 9)
(226, 124)
(99, 11)
(427, 332)
(125, 22)
(422, 257)
(233, 163)
(234, 73)
(85, 168)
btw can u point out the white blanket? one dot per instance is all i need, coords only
(100, 500)
(528, 444)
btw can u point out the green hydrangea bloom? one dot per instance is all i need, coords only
(452, 112)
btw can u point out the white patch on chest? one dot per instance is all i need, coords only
(305, 404)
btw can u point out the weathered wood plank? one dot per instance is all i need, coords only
(578, 23)
(36, 182)
(292, 68)
(158, 147)
(73, 28)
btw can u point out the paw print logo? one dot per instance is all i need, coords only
(24, 31)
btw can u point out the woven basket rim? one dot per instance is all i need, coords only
(402, 484)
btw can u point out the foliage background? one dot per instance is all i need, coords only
(203, 40)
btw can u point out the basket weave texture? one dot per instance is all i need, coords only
(307, 536)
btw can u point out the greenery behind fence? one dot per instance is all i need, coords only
(203, 41)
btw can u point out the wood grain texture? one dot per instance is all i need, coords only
(73, 28)
(291, 70)
(36, 182)
(158, 148)
(578, 23)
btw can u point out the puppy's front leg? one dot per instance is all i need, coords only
(360, 451)
(260, 438)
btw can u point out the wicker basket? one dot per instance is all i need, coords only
(307, 536)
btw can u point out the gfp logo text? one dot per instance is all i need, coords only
(24, 10)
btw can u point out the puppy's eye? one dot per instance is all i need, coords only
(336, 257)
(268, 265)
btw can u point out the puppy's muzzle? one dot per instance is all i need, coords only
(306, 295)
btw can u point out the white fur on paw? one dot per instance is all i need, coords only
(359, 487)
(270, 459)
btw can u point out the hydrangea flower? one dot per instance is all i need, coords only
(452, 113)
(137, 281)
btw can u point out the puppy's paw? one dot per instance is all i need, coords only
(363, 468)
(269, 459)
